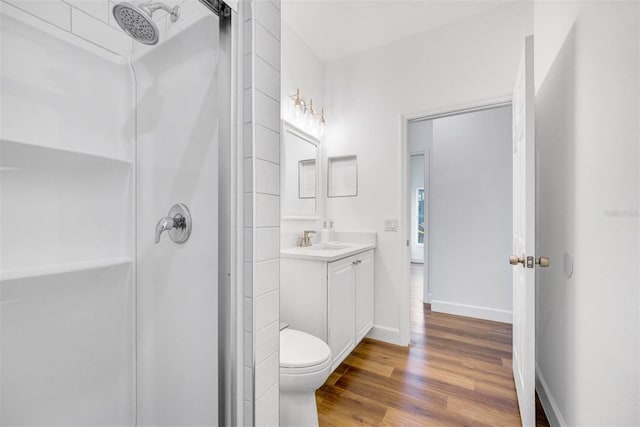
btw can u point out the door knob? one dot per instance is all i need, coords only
(515, 260)
(543, 261)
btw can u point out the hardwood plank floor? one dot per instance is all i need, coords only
(456, 372)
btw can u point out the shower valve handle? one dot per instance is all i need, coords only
(177, 224)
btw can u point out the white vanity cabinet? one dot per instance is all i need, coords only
(364, 295)
(331, 300)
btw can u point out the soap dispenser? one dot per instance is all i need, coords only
(324, 233)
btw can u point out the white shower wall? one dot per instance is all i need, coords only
(66, 220)
(71, 312)
(177, 159)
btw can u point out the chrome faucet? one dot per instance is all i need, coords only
(177, 224)
(306, 239)
(166, 224)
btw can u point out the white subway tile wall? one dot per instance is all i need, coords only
(267, 277)
(267, 78)
(269, 174)
(267, 406)
(96, 31)
(267, 210)
(267, 373)
(269, 149)
(266, 310)
(93, 21)
(53, 12)
(267, 341)
(261, 49)
(99, 9)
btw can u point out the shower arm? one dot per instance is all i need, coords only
(150, 8)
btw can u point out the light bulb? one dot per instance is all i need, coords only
(321, 122)
(298, 106)
(310, 113)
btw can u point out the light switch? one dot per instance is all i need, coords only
(390, 225)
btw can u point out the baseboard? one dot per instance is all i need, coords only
(549, 405)
(428, 298)
(417, 261)
(386, 334)
(477, 312)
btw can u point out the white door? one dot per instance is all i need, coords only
(341, 296)
(364, 294)
(524, 236)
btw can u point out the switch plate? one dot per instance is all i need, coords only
(390, 225)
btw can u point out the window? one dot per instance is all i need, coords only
(420, 215)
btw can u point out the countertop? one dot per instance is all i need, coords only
(326, 252)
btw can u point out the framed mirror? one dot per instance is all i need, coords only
(300, 172)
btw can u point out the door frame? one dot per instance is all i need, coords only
(405, 198)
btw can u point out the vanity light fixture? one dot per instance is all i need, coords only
(309, 117)
(321, 122)
(304, 115)
(310, 111)
(298, 104)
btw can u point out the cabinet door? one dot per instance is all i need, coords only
(341, 295)
(364, 294)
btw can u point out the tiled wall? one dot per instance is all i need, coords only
(90, 20)
(261, 49)
(93, 21)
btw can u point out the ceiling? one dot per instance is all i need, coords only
(337, 28)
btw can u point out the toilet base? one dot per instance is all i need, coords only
(298, 408)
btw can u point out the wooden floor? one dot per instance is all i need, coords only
(456, 372)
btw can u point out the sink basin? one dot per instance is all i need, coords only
(328, 247)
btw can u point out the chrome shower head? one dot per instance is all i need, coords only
(136, 20)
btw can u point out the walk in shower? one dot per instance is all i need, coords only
(108, 307)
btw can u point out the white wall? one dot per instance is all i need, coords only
(417, 181)
(587, 107)
(302, 69)
(366, 94)
(470, 215)
(87, 20)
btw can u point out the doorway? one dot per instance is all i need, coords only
(463, 232)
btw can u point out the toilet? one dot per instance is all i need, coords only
(305, 364)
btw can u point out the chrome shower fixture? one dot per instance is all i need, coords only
(136, 20)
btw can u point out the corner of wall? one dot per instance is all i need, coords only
(261, 147)
(551, 409)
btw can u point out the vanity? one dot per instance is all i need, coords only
(327, 290)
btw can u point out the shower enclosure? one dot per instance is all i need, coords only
(100, 136)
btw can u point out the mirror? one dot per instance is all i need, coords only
(299, 160)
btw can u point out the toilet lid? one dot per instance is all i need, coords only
(299, 349)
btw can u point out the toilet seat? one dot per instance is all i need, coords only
(302, 353)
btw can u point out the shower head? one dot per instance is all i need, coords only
(136, 20)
